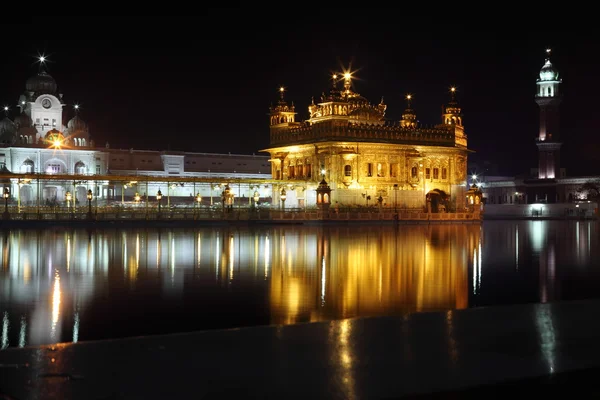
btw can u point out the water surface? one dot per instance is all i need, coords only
(62, 285)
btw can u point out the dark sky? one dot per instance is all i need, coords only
(182, 84)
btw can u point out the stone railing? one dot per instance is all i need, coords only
(389, 133)
(111, 214)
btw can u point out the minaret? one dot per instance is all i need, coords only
(409, 118)
(282, 114)
(548, 99)
(452, 112)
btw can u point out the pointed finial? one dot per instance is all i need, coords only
(334, 79)
(42, 60)
(281, 92)
(76, 107)
(453, 93)
(381, 102)
(408, 99)
(347, 81)
(312, 100)
(6, 110)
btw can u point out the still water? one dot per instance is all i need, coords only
(63, 285)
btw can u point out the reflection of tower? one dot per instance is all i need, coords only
(547, 273)
(548, 99)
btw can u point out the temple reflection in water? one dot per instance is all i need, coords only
(67, 285)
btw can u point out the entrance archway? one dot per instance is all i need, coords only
(437, 201)
(26, 194)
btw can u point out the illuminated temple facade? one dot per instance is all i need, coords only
(347, 142)
(42, 139)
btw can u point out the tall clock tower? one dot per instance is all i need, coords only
(548, 98)
(42, 102)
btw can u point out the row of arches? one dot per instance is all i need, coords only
(453, 120)
(53, 166)
(30, 139)
(26, 139)
(51, 195)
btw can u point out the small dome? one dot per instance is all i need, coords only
(23, 121)
(7, 127)
(41, 83)
(357, 99)
(76, 124)
(548, 72)
(54, 137)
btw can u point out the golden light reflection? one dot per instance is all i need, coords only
(198, 250)
(158, 253)
(56, 294)
(68, 252)
(267, 256)
(231, 257)
(375, 271)
(345, 357)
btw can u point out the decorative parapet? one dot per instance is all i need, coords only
(390, 132)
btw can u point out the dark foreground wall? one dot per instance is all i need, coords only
(370, 358)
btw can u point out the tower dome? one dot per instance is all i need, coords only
(76, 124)
(23, 121)
(7, 127)
(548, 72)
(41, 83)
(8, 131)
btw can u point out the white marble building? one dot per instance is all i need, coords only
(42, 140)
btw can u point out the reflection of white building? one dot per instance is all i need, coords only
(41, 139)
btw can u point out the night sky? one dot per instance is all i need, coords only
(191, 87)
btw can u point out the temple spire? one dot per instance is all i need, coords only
(281, 93)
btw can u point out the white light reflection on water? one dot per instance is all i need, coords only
(5, 326)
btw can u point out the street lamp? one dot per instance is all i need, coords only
(159, 198)
(68, 199)
(226, 197)
(137, 197)
(198, 199)
(89, 197)
(6, 196)
(283, 197)
(256, 198)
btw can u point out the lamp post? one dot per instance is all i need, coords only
(256, 197)
(283, 197)
(89, 197)
(396, 197)
(158, 198)
(137, 198)
(198, 200)
(226, 197)
(6, 196)
(68, 199)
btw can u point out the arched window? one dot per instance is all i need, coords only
(413, 172)
(80, 168)
(347, 170)
(27, 167)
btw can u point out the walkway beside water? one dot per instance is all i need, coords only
(297, 216)
(374, 358)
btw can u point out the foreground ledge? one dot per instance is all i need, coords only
(384, 357)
